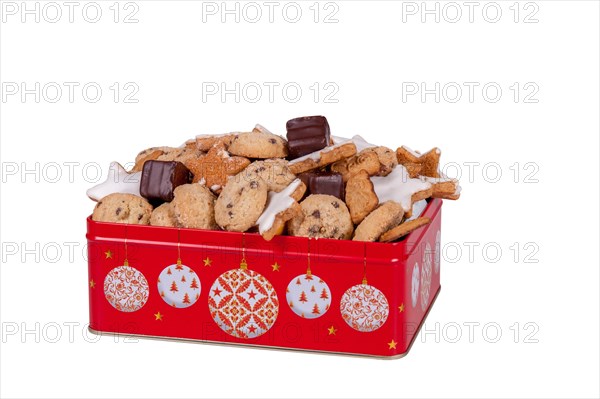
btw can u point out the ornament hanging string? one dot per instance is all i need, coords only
(126, 261)
(243, 264)
(308, 272)
(178, 246)
(364, 280)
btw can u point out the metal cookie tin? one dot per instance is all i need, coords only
(222, 287)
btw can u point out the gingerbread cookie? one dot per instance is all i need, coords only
(260, 143)
(214, 168)
(241, 202)
(360, 196)
(122, 208)
(382, 219)
(326, 156)
(429, 161)
(367, 160)
(398, 186)
(403, 229)
(443, 186)
(281, 207)
(322, 216)
(275, 172)
(163, 216)
(193, 207)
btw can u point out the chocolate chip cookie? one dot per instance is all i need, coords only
(122, 208)
(194, 207)
(322, 216)
(241, 202)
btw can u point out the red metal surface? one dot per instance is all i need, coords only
(389, 268)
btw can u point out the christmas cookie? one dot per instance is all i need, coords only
(274, 172)
(403, 229)
(163, 216)
(360, 196)
(117, 181)
(443, 187)
(206, 142)
(214, 168)
(241, 202)
(429, 161)
(387, 160)
(322, 216)
(280, 208)
(366, 160)
(324, 157)
(122, 208)
(382, 219)
(182, 154)
(399, 187)
(193, 207)
(260, 143)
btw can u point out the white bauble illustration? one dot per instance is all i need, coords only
(426, 276)
(437, 254)
(416, 278)
(308, 296)
(179, 286)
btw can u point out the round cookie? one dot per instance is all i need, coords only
(163, 216)
(193, 207)
(122, 208)
(387, 160)
(383, 218)
(322, 216)
(260, 143)
(274, 172)
(241, 202)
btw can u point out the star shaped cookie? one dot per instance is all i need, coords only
(419, 164)
(214, 168)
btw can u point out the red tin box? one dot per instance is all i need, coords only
(355, 298)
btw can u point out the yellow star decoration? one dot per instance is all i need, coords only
(108, 254)
(92, 284)
(275, 267)
(392, 345)
(332, 330)
(207, 261)
(158, 316)
(401, 308)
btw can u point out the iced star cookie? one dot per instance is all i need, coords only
(214, 168)
(163, 216)
(403, 229)
(398, 186)
(360, 196)
(274, 172)
(428, 162)
(241, 202)
(259, 143)
(326, 156)
(117, 181)
(281, 207)
(322, 216)
(122, 208)
(193, 207)
(382, 219)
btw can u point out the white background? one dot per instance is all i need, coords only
(367, 55)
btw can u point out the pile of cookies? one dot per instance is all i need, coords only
(311, 184)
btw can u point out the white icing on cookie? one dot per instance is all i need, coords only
(262, 129)
(417, 209)
(118, 181)
(398, 187)
(361, 144)
(276, 203)
(442, 179)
